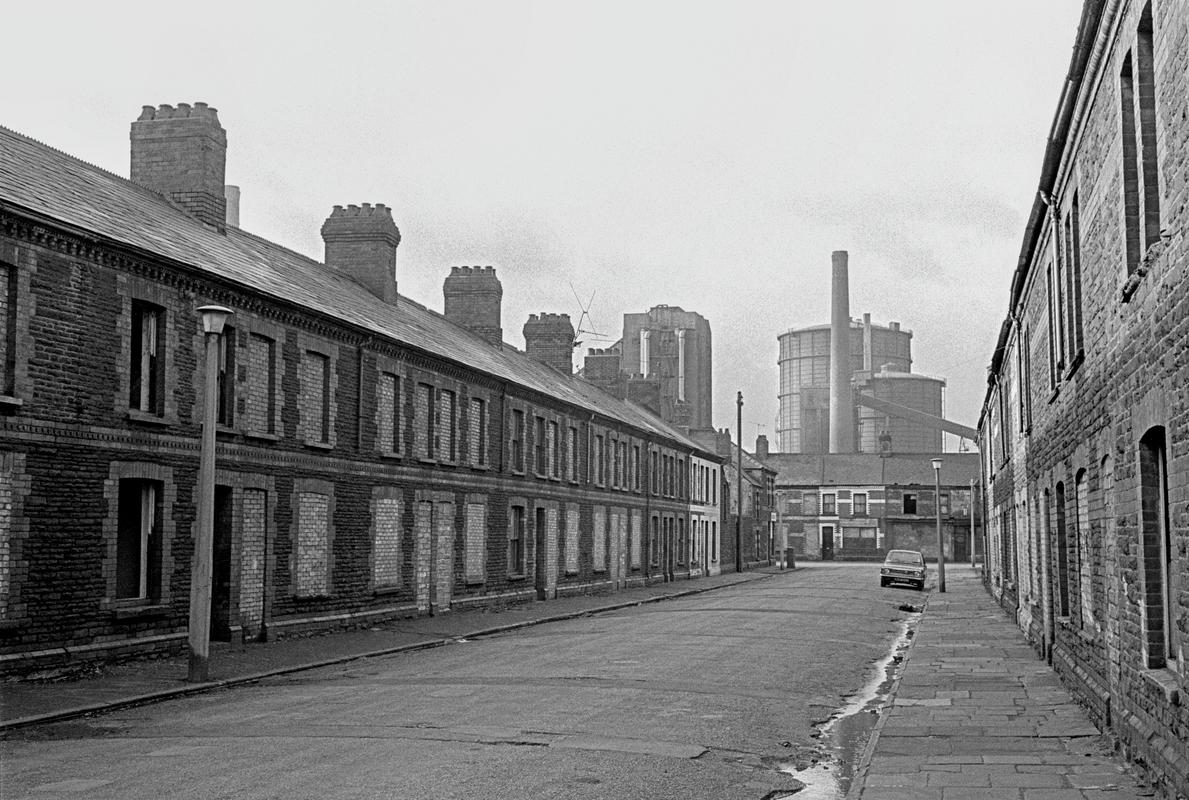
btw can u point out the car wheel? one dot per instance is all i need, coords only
(883, 581)
(920, 586)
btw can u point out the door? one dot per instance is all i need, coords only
(961, 548)
(827, 543)
(221, 566)
(541, 572)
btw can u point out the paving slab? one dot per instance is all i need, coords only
(975, 714)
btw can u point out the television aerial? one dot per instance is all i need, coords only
(586, 326)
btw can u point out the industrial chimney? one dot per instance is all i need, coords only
(842, 416)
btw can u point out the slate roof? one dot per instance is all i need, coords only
(56, 186)
(869, 469)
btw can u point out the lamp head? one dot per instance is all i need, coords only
(214, 318)
(937, 465)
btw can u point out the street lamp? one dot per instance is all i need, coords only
(739, 483)
(213, 320)
(937, 508)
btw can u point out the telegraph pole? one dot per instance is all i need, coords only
(739, 483)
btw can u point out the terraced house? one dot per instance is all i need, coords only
(1085, 427)
(374, 458)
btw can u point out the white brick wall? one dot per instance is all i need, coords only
(599, 548)
(313, 544)
(572, 539)
(386, 547)
(635, 535)
(5, 532)
(387, 413)
(261, 388)
(251, 565)
(475, 557)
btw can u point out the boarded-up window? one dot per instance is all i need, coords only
(599, 545)
(386, 554)
(572, 540)
(313, 544)
(476, 542)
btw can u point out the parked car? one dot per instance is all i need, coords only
(904, 566)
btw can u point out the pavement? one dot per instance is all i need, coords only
(65, 693)
(973, 712)
(976, 714)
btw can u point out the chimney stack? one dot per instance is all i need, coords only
(181, 153)
(472, 298)
(361, 243)
(549, 338)
(761, 447)
(842, 416)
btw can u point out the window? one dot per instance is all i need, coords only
(654, 556)
(540, 447)
(910, 503)
(147, 384)
(944, 504)
(388, 413)
(859, 504)
(599, 463)
(9, 280)
(516, 541)
(554, 451)
(1062, 551)
(261, 406)
(315, 397)
(1137, 98)
(516, 440)
(713, 540)
(138, 543)
(1054, 330)
(312, 573)
(386, 538)
(446, 425)
(682, 543)
(227, 376)
(636, 467)
(429, 413)
(616, 464)
(571, 536)
(598, 539)
(478, 431)
(475, 554)
(829, 505)
(1071, 235)
(574, 462)
(714, 487)
(1082, 548)
(1160, 576)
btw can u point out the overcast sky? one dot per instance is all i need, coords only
(704, 155)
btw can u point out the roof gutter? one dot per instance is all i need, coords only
(1092, 12)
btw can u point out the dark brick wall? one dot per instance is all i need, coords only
(72, 430)
(1130, 378)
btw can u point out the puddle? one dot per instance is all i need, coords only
(846, 732)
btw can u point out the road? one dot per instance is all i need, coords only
(701, 697)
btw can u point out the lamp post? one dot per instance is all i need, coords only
(937, 508)
(213, 320)
(739, 483)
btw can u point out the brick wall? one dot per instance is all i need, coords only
(1086, 417)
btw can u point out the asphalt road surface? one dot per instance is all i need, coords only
(702, 697)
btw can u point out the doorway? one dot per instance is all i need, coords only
(827, 543)
(221, 566)
(541, 579)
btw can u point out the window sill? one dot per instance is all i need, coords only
(1132, 284)
(1164, 680)
(1075, 363)
(517, 472)
(135, 415)
(318, 445)
(475, 581)
(481, 467)
(383, 591)
(264, 437)
(11, 627)
(10, 403)
(134, 613)
(571, 572)
(1056, 393)
(515, 576)
(392, 455)
(312, 598)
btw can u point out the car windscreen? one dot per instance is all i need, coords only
(904, 557)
